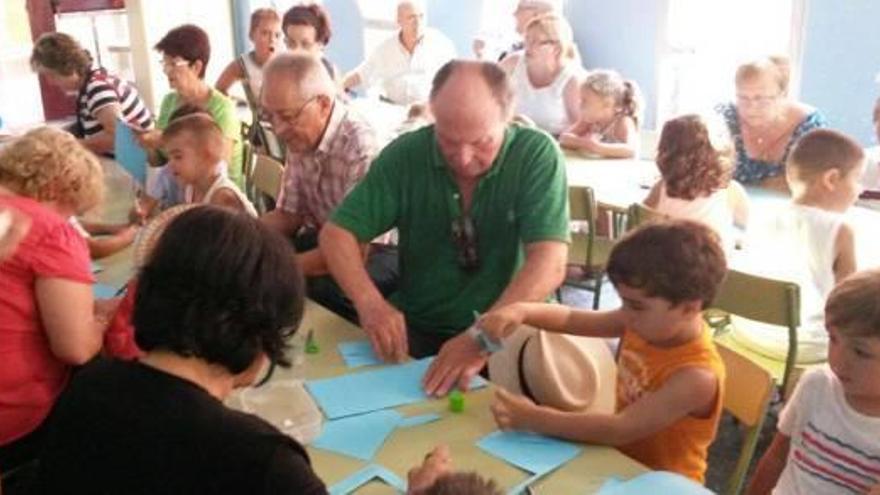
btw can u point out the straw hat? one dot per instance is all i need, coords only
(149, 235)
(561, 371)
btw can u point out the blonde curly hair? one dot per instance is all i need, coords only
(48, 164)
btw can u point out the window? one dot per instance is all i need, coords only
(20, 101)
(703, 43)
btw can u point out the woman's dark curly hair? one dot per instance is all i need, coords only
(309, 15)
(692, 164)
(221, 287)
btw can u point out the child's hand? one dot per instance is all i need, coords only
(875, 490)
(437, 463)
(129, 233)
(502, 322)
(591, 142)
(149, 140)
(513, 412)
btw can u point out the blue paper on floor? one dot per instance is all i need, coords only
(358, 436)
(365, 475)
(128, 153)
(367, 391)
(104, 291)
(531, 452)
(654, 482)
(358, 353)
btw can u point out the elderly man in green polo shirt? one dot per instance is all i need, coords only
(482, 210)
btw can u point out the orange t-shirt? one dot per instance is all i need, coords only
(642, 367)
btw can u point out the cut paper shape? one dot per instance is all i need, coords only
(128, 152)
(534, 453)
(104, 291)
(358, 436)
(367, 391)
(358, 353)
(654, 482)
(365, 475)
(421, 419)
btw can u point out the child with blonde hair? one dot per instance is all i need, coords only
(828, 438)
(670, 377)
(609, 116)
(194, 145)
(808, 242)
(696, 167)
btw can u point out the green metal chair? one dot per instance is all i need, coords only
(588, 250)
(266, 180)
(744, 297)
(748, 391)
(639, 214)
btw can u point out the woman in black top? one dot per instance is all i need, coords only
(216, 301)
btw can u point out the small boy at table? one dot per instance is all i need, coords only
(829, 432)
(670, 376)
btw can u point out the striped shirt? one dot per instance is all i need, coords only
(834, 449)
(101, 89)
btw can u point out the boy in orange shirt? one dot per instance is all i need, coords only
(670, 376)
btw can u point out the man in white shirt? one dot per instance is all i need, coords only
(405, 64)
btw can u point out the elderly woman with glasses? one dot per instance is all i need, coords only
(185, 53)
(765, 123)
(545, 75)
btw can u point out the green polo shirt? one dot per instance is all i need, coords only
(522, 199)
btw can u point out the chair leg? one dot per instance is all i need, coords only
(597, 290)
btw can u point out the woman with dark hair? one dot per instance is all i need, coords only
(216, 301)
(101, 97)
(265, 32)
(185, 53)
(307, 28)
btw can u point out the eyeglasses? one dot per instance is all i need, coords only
(464, 236)
(171, 64)
(291, 121)
(268, 376)
(758, 101)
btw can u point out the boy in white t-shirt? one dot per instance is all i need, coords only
(829, 432)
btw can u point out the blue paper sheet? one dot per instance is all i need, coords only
(419, 420)
(367, 391)
(128, 153)
(534, 453)
(358, 353)
(103, 291)
(654, 482)
(358, 436)
(521, 488)
(363, 476)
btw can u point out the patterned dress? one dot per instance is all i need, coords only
(751, 170)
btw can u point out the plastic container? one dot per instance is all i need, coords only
(285, 404)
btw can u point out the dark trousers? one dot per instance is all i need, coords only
(382, 266)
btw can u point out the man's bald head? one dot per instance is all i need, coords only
(473, 82)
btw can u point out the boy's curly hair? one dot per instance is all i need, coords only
(694, 159)
(463, 484)
(48, 164)
(60, 53)
(676, 260)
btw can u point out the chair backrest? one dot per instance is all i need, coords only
(774, 302)
(582, 209)
(267, 175)
(748, 391)
(639, 214)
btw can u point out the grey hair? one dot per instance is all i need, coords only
(304, 73)
(492, 74)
